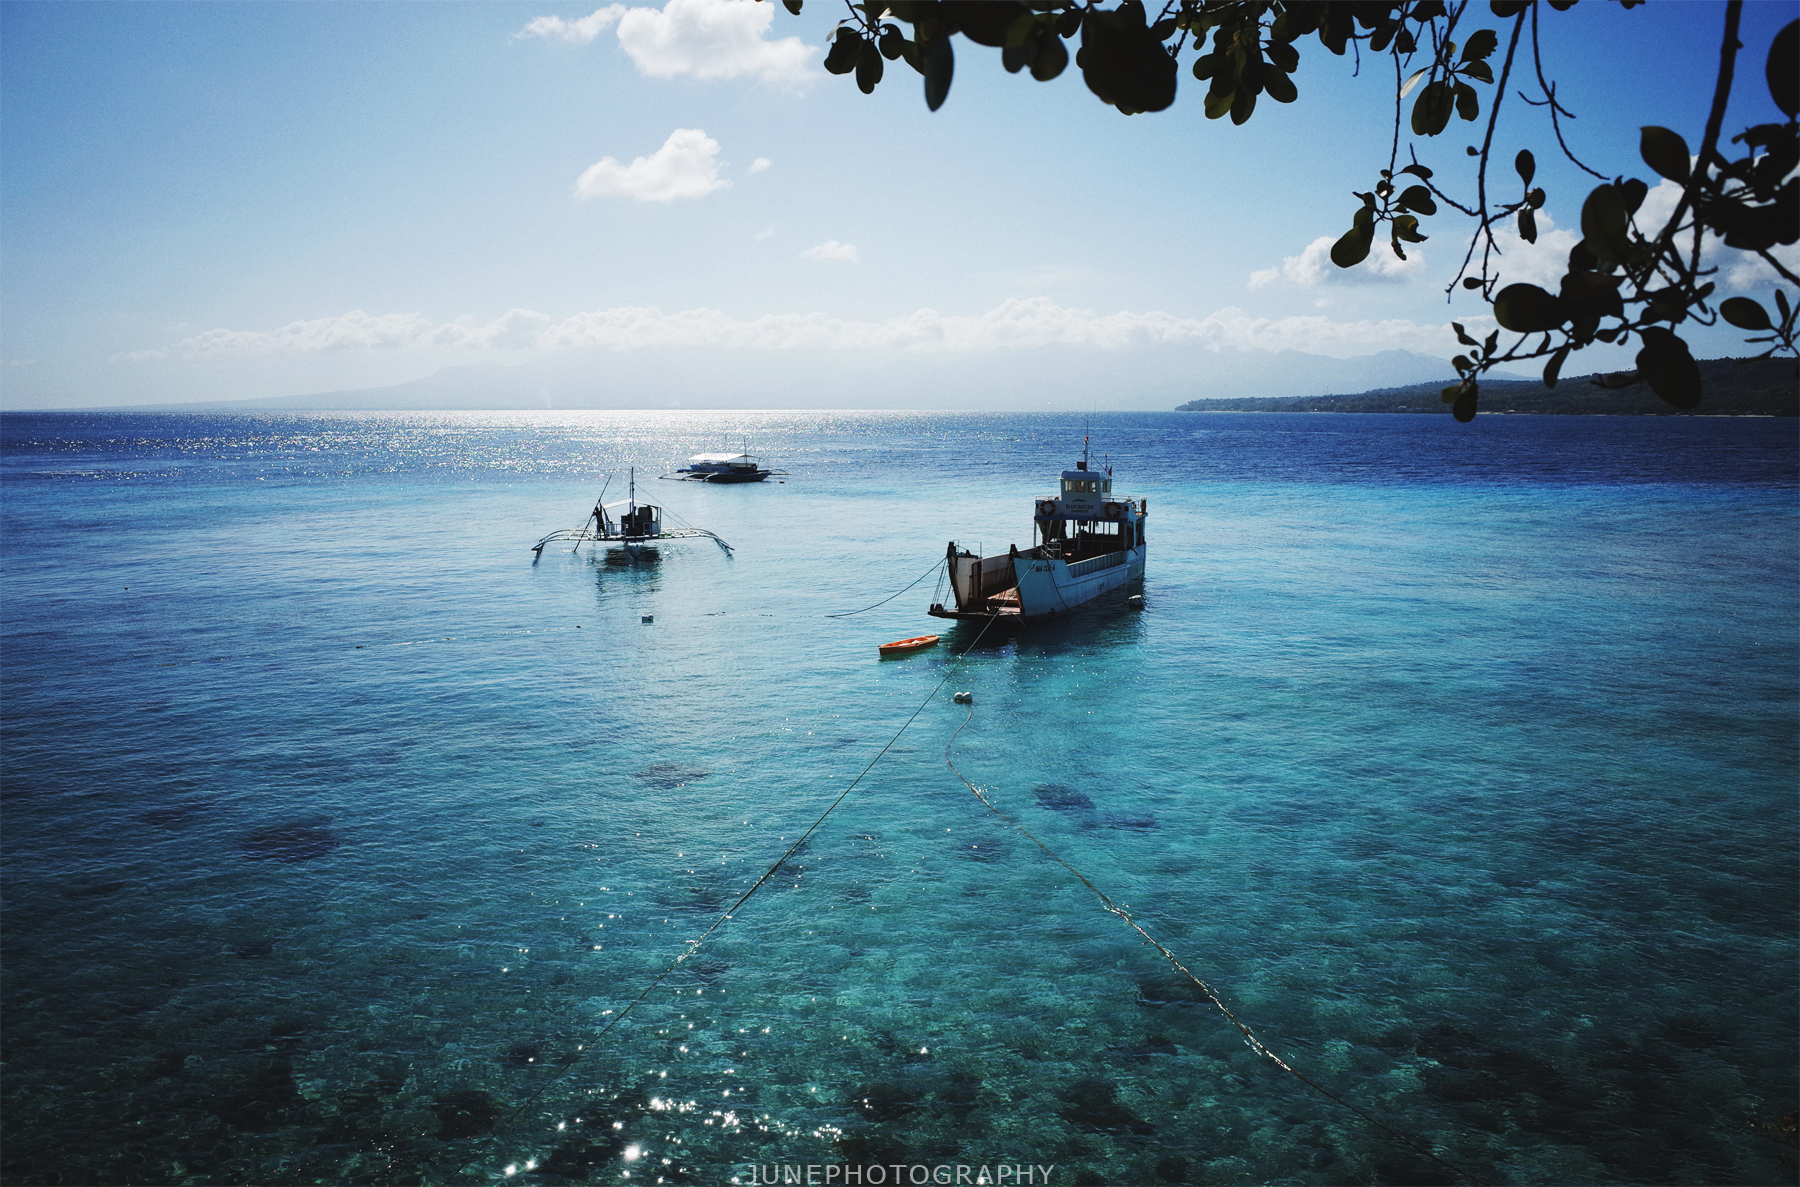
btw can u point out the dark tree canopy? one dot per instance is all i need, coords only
(1626, 281)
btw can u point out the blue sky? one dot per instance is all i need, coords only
(233, 201)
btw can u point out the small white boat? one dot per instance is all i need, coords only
(633, 527)
(1087, 541)
(723, 467)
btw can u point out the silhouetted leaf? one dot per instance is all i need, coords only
(1471, 282)
(940, 66)
(985, 22)
(1418, 170)
(1279, 87)
(1664, 151)
(1668, 368)
(868, 68)
(893, 42)
(792, 6)
(1508, 8)
(1478, 70)
(846, 48)
(1242, 106)
(1432, 109)
(1417, 197)
(1464, 408)
(1462, 335)
(1526, 164)
(1745, 314)
(1413, 81)
(1468, 103)
(1352, 247)
(1527, 225)
(1481, 43)
(1528, 309)
(1783, 69)
(1554, 367)
(1603, 223)
(1591, 294)
(1123, 63)
(1052, 58)
(1632, 192)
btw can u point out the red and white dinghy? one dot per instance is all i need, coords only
(902, 646)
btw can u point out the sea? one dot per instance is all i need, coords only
(347, 840)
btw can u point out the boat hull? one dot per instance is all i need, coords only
(1045, 587)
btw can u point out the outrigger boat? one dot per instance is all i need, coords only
(633, 527)
(1087, 541)
(723, 467)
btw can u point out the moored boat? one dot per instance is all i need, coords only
(630, 526)
(724, 467)
(1087, 540)
(903, 646)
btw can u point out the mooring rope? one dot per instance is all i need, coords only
(935, 566)
(569, 1063)
(1255, 1044)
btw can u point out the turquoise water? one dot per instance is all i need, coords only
(1459, 760)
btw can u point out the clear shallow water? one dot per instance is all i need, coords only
(1459, 759)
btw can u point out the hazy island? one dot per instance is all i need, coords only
(1731, 387)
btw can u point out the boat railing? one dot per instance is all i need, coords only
(1095, 564)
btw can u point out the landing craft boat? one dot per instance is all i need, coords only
(633, 527)
(1088, 541)
(723, 467)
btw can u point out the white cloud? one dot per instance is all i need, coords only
(704, 38)
(1542, 263)
(1314, 267)
(759, 164)
(831, 249)
(1013, 324)
(357, 330)
(766, 233)
(581, 31)
(686, 166)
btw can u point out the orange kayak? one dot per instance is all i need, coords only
(906, 645)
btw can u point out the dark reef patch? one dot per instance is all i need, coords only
(1093, 1104)
(298, 841)
(465, 1114)
(1060, 797)
(670, 775)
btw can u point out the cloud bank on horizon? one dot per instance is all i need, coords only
(1018, 324)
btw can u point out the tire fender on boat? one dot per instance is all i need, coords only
(1046, 508)
(1114, 510)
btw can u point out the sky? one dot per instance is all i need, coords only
(208, 202)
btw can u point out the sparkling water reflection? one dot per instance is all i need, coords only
(1459, 759)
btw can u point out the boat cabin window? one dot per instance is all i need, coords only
(1087, 486)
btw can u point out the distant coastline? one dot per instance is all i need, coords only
(1761, 387)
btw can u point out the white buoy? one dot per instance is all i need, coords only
(964, 698)
(1135, 601)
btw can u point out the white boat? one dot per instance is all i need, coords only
(723, 467)
(631, 526)
(1087, 541)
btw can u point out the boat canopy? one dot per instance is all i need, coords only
(723, 459)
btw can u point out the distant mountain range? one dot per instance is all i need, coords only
(1036, 378)
(1730, 387)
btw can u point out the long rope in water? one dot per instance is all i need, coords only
(1250, 1038)
(936, 565)
(694, 944)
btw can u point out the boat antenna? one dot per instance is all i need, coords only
(1084, 451)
